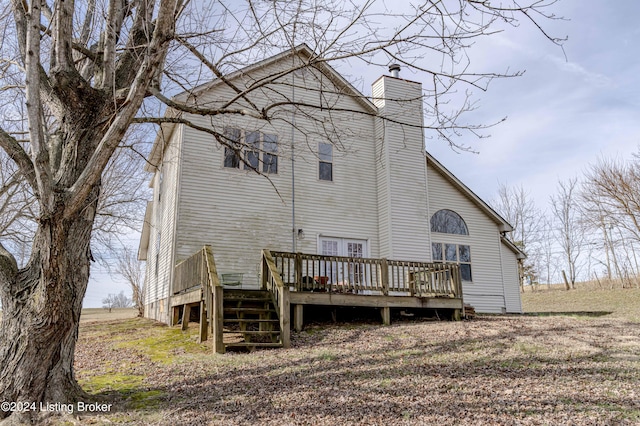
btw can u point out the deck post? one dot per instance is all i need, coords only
(186, 314)
(386, 315)
(298, 317)
(263, 271)
(384, 274)
(457, 315)
(175, 318)
(298, 271)
(217, 320)
(204, 326)
(285, 322)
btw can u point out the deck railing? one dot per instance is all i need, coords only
(272, 281)
(339, 274)
(199, 270)
(188, 273)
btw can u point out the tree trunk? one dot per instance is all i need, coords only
(41, 313)
(566, 282)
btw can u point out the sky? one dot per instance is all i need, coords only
(572, 106)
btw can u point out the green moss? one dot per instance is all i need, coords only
(145, 400)
(129, 387)
(165, 344)
(112, 382)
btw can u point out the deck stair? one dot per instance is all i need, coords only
(237, 318)
(250, 320)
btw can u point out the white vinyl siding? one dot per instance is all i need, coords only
(401, 170)
(162, 232)
(239, 212)
(381, 191)
(486, 292)
(511, 280)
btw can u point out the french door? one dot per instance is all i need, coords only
(345, 273)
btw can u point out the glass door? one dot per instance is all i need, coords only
(343, 273)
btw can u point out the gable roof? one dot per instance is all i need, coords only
(302, 51)
(503, 225)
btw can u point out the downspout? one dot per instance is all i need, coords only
(293, 163)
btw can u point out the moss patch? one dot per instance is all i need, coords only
(164, 345)
(129, 387)
(111, 382)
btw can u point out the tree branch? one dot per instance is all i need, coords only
(153, 60)
(15, 151)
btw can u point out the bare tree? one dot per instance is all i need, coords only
(612, 206)
(568, 226)
(132, 270)
(85, 73)
(548, 259)
(518, 208)
(116, 301)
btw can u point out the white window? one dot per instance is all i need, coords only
(342, 272)
(325, 166)
(250, 148)
(330, 246)
(454, 253)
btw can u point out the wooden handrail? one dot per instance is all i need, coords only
(367, 275)
(272, 281)
(199, 271)
(213, 297)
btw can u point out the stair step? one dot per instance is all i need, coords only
(245, 294)
(249, 304)
(249, 310)
(250, 345)
(247, 300)
(253, 333)
(238, 320)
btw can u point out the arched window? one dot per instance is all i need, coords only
(448, 222)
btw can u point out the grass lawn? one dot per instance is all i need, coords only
(575, 361)
(588, 299)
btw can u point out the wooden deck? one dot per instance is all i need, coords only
(291, 281)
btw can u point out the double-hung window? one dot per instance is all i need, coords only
(270, 154)
(250, 148)
(232, 151)
(325, 166)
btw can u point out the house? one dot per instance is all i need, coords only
(340, 175)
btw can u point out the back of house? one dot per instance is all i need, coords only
(333, 172)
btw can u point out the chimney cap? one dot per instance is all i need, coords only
(394, 69)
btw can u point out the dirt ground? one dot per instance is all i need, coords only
(547, 369)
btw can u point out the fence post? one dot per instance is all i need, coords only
(204, 324)
(384, 272)
(186, 314)
(217, 320)
(285, 320)
(412, 277)
(263, 271)
(298, 271)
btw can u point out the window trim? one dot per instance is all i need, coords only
(325, 159)
(244, 157)
(443, 247)
(453, 214)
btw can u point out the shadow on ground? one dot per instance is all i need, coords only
(594, 314)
